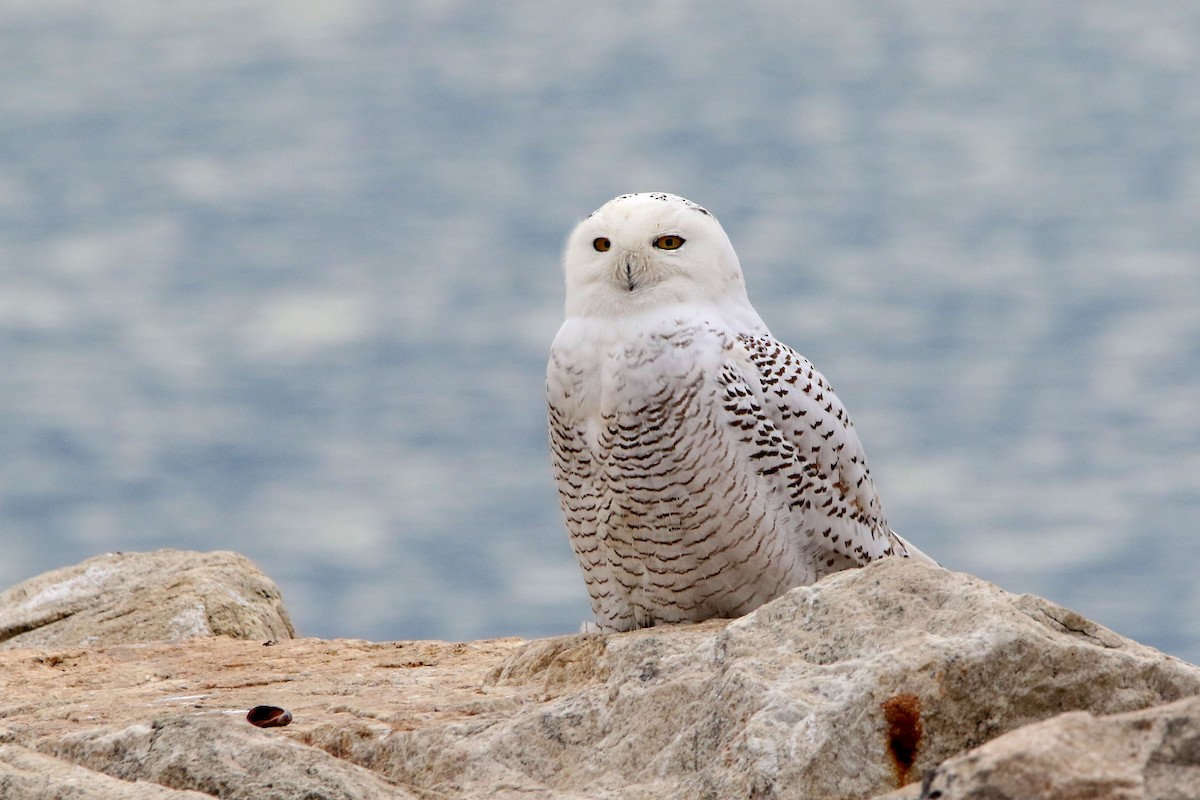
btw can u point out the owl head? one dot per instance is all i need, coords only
(642, 251)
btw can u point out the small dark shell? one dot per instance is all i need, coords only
(269, 716)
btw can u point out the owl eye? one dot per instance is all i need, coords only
(669, 242)
(602, 244)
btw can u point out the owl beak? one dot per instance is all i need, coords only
(630, 272)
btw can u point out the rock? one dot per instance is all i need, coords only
(1142, 755)
(26, 775)
(859, 683)
(848, 688)
(167, 595)
(221, 758)
(175, 712)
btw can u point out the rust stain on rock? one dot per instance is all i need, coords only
(903, 715)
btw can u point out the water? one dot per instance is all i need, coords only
(281, 278)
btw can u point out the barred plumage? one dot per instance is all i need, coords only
(703, 467)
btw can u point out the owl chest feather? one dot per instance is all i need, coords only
(650, 481)
(633, 397)
(631, 404)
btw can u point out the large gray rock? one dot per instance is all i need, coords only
(1142, 755)
(26, 775)
(165, 595)
(844, 689)
(222, 758)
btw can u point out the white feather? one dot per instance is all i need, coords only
(704, 468)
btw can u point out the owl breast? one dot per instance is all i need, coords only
(648, 449)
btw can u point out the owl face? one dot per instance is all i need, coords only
(645, 250)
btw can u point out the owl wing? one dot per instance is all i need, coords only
(802, 440)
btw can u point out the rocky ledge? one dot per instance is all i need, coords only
(897, 680)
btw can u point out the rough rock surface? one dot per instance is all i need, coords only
(843, 689)
(27, 775)
(166, 595)
(848, 688)
(111, 708)
(231, 762)
(1153, 754)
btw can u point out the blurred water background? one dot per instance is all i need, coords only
(281, 278)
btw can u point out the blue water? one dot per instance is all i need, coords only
(281, 278)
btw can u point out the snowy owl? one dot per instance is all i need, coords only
(703, 467)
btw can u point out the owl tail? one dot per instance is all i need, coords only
(911, 551)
